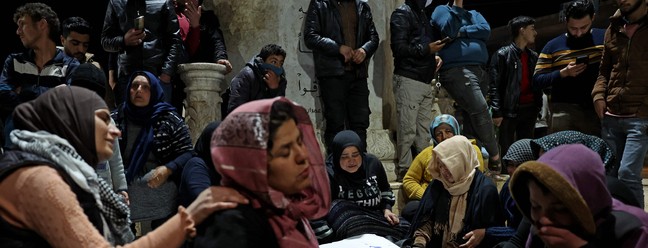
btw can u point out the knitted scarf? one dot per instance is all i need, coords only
(115, 213)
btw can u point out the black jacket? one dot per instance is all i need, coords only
(162, 48)
(411, 32)
(212, 44)
(323, 34)
(506, 74)
(249, 85)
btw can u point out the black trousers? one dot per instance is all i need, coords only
(346, 106)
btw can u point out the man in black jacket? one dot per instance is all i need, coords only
(514, 102)
(343, 38)
(155, 46)
(415, 63)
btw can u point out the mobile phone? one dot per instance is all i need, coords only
(138, 23)
(445, 40)
(582, 59)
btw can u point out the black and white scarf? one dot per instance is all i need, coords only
(115, 213)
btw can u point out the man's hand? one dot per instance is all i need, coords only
(600, 106)
(125, 195)
(193, 12)
(271, 79)
(347, 52)
(572, 69)
(226, 63)
(134, 37)
(165, 78)
(439, 62)
(436, 46)
(497, 121)
(359, 55)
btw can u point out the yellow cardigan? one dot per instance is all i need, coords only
(417, 178)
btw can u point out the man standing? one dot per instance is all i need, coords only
(146, 36)
(464, 73)
(415, 64)
(514, 103)
(569, 79)
(343, 38)
(620, 94)
(42, 66)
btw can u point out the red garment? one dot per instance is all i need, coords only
(526, 93)
(190, 36)
(239, 152)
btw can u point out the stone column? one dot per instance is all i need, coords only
(203, 90)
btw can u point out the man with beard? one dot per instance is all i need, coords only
(568, 66)
(619, 94)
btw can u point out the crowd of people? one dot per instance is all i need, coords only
(102, 157)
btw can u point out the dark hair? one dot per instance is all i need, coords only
(280, 112)
(271, 49)
(577, 9)
(75, 24)
(38, 11)
(518, 22)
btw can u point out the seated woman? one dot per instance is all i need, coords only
(267, 150)
(50, 195)
(155, 144)
(362, 196)
(460, 204)
(619, 190)
(565, 197)
(199, 173)
(417, 178)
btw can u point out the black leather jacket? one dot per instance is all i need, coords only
(411, 33)
(506, 74)
(323, 34)
(162, 48)
(212, 44)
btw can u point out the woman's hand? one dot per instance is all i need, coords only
(214, 198)
(159, 176)
(558, 237)
(391, 217)
(474, 238)
(125, 195)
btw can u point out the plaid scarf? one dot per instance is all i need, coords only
(115, 213)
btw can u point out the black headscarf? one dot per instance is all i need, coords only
(202, 147)
(67, 112)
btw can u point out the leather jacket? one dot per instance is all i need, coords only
(161, 50)
(323, 34)
(506, 74)
(411, 32)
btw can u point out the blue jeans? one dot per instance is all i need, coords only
(628, 138)
(468, 86)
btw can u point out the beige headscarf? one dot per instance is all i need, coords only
(458, 155)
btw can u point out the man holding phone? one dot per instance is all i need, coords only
(146, 35)
(414, 45)
(568, 67)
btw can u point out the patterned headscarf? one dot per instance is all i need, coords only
(239, 151)
(519, 152)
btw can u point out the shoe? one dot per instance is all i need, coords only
(400, 174)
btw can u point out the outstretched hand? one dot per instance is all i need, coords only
(212, 199)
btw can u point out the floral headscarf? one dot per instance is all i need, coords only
(239, 151)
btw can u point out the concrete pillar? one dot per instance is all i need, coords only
(203, 90)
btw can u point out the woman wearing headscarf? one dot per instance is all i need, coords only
(565, 196)
(618, 189)
(417, 178)
(199, 173)
(362, 196)
(460, 203)
(155, 144)
(267, 150)
(50, 195)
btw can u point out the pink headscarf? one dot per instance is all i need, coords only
(239, 152)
